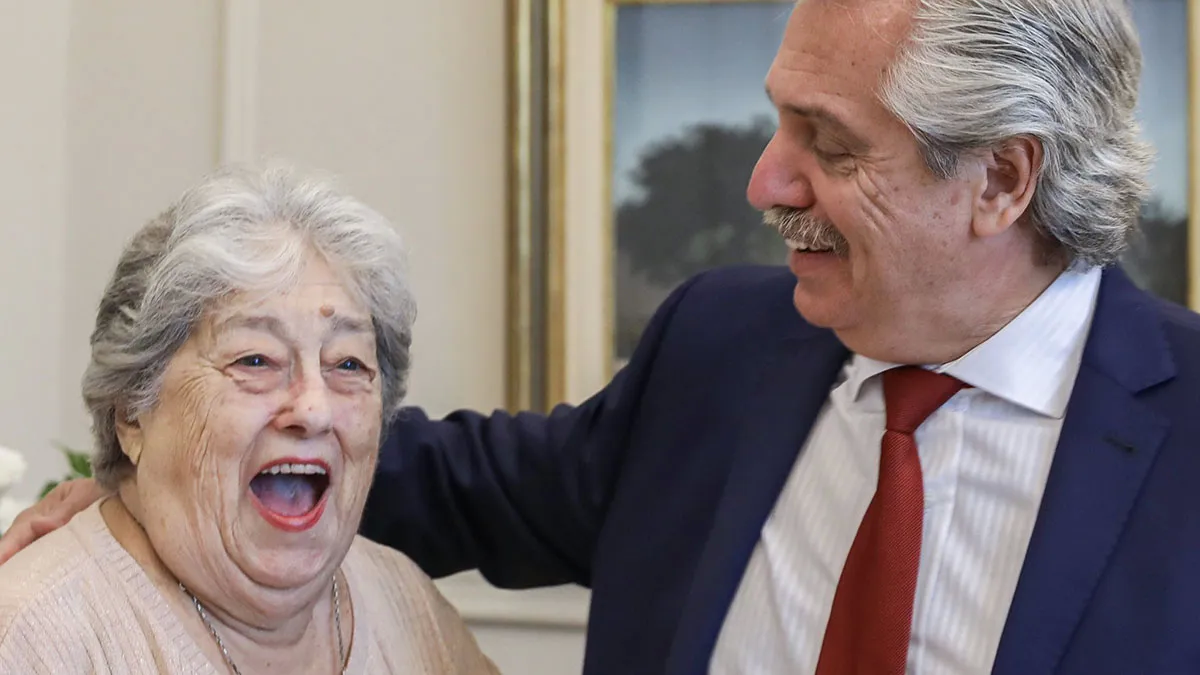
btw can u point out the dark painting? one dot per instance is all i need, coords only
(690, 119)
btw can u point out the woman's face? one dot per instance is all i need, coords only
(253, 467)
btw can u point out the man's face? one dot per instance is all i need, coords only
(896, 240)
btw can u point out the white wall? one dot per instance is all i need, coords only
(33, 225)
(141, 125)
(406, 100)
(112, 107)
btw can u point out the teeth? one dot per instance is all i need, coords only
(797, 246)
(295, 468)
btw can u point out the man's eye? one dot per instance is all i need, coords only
(253, 361)
(351, 365)
(831, 156)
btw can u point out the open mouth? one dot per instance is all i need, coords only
(291, 494)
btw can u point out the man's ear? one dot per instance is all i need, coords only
(1012, 173)
(130, 436)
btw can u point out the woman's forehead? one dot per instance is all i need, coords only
(325, 308)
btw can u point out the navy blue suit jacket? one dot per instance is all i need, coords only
(653, 492)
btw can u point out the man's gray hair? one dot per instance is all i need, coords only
(240, 230)
(975, 73)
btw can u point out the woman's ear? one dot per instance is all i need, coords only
(129, 435)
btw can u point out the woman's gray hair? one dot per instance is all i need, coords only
(974, 74)
(240, 230)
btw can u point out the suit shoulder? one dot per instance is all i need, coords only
(1181, 330)
(741, 282)
(742, 298)
(1178, 319)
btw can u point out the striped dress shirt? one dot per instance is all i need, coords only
(985, 457)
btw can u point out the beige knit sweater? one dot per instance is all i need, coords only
(76, 602)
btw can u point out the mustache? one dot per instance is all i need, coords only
(802, 227)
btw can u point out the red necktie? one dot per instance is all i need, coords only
(871, 619)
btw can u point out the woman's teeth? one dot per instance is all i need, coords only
(308, 469)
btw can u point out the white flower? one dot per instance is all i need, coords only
(12, 468)
(10, 508)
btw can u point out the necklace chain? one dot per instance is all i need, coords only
(337, 624)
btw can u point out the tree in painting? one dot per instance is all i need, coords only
(691, 215)
(1157, 258)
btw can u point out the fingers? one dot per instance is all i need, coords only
(16, 538)
(77, 495)
(52, 512)
(44, 525)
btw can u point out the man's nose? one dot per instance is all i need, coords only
(779, 178)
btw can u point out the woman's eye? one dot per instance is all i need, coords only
(252, 361)
(351, 365)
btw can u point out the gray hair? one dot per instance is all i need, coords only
(974, 74)
(240, 229)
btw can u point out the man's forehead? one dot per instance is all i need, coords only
(853, 25)
(851, 41)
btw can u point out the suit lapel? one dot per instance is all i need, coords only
(1108, 443)
(780, 410)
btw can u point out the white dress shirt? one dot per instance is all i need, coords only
(985, 456)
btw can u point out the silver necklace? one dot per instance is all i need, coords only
(337, 623)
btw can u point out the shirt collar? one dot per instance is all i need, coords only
(1031, 362)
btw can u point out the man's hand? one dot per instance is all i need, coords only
(49, 514)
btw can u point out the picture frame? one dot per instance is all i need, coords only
(565, 292)
(535, 271)
(536, 152)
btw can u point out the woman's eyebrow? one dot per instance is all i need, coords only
(260, 322)
(350, 324)
(338, 324)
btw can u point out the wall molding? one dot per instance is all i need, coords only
(239, 80)
(478, 602)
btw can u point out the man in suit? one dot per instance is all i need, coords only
(952, 438)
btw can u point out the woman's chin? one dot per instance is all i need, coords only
(287, 556)
(278, 569)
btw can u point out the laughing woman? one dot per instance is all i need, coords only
(247, 352)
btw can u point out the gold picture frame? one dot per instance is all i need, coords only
(1193, 60)
(562, 304)
(535, 151)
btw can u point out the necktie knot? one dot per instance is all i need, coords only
(911, 394)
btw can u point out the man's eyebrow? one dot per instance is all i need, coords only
(823, 116)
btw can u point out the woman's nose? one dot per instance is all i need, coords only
(309, 413)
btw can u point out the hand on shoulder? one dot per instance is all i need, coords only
(48, 514)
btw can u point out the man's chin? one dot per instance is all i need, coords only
(818, 309)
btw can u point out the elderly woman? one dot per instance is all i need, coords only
(246, 355)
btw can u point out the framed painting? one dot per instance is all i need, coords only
(1164, 256)
(642, 125)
